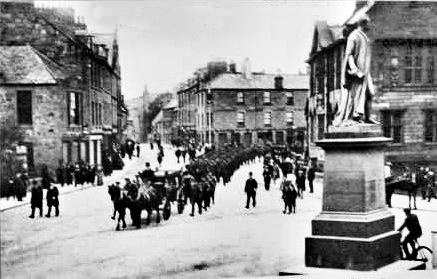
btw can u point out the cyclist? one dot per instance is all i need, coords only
(415, 231)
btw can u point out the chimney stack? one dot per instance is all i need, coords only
(246, 69)
(232, 67)
(279, 81)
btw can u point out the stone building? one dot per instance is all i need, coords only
(138, 108)
(164, 123)
(223, 106)
(95, 107)
(32, 96)
(403, 39)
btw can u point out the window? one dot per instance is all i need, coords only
(240, 98)
(73, 108)
(413, 66)
(240, 118)
(289, 117)
(392, 124)
(267, 118)
(209, 98)
(24, 107)
(92, 113)
(99, 114)
(430, 70)
(266, 97)
(430, 131)
(290, 98)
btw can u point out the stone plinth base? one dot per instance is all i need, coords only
(353, 241)
(355, 230)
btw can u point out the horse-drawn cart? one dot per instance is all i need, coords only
(167, 183)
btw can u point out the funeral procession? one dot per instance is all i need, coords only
(211, 139)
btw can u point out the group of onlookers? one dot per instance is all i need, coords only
(79, 173)
(425, 178)
(294, 173)
(181, 152)
(37, 196)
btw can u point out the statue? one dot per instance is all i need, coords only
(357, 86)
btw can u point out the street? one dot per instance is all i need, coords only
(226, 241)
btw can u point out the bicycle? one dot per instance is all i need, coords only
(419, 253)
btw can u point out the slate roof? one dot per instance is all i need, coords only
(172, 104)
(325, 35)
(25, 65)
(257, 81)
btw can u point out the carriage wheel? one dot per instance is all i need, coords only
(167, 212)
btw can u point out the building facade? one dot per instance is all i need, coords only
(95, 109)
(403, 39)
(223, 106)
(138, 108)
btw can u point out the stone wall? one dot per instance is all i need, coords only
(225, 109)
(49, 120)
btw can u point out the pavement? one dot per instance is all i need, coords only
(226, 241)
(131, 167)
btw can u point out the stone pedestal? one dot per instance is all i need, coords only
(355, 230)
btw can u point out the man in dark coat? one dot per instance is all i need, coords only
(267, 178)
(46, 179)
(159, 158)
(311, 175)
(60, 175)
(147, 175)
(250, 189)
(19, 187)
(178, 154)
(52, 200)
(414, 228)
(69, 173)
(36, 199)
(138, 149)
(184, 153)
(300, 181)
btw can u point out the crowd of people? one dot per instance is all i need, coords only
(80, 173)
(294, 175)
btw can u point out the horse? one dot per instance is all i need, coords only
(401, 184)
(192, 190)
(121, 202)
(145, 198)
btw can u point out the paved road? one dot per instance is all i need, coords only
(228, 240)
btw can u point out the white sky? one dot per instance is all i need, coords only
(163, 42)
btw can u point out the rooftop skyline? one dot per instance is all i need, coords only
(163, 42)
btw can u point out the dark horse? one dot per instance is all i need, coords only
(121, 202)
(192, 190)
(401, 184)
(149, 199)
